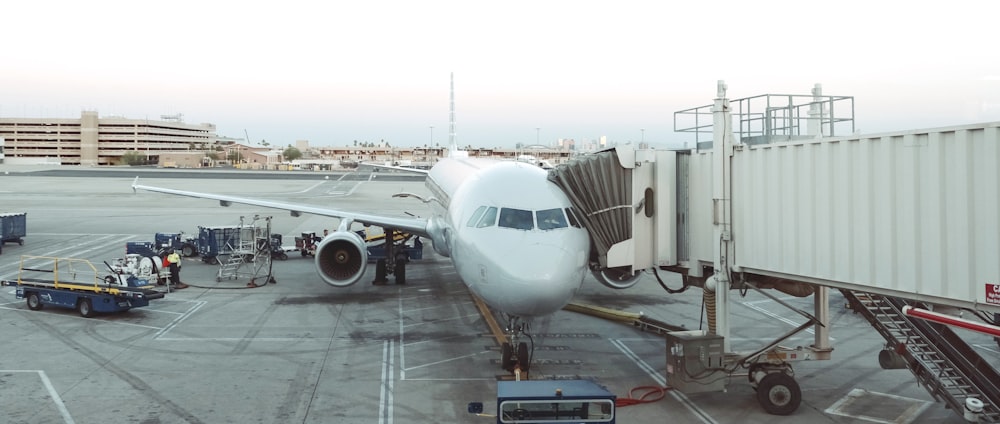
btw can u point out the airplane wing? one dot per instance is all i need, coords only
(417, 226)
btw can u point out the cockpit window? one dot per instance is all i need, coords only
(571, 213)
(489, 218)
(516, 218)
(550, 219)
(475, 216)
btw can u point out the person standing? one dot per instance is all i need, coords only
(175, 269)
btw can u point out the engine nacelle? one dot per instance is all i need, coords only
(341, 258)
(617, 278)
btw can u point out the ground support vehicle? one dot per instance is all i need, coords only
(186, 245)
(278, 251)
(141, 248)
(146, 270)
(551, 401)
(75, 284)
(13, 226)
(412, 247)
(221, 240)
(307, 243)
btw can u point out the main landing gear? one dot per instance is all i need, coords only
(515, 356)
(395, 260)
(395, 266)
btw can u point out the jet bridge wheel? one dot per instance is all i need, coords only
(778, 393)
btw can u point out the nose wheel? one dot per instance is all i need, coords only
(516, 355)
(511, 358)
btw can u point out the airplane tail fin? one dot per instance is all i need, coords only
(453, 150)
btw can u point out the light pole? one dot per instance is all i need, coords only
(537, 135)
(432, 136)
(642, 135)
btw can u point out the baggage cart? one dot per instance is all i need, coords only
(76, 284)
(13, 227)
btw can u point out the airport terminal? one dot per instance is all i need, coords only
(784, 269)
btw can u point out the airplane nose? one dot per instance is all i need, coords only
(549, 272)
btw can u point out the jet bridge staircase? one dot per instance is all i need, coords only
(950, 369)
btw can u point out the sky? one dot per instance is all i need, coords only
(335, 72)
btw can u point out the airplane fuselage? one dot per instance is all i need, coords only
(510, 234)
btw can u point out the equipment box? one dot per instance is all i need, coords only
(13, 226)
(695, 362)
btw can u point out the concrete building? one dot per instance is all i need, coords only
(251, 157)
(92, 140)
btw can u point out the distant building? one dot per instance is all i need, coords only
(93, 141)
(251, 157)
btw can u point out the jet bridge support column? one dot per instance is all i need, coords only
(721, 221)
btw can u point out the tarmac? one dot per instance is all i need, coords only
(300, 351)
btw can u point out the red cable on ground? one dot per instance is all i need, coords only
(656, 392)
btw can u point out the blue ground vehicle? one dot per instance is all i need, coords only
(13, 226)
(186, 245)
(551, 401)
(75, 284)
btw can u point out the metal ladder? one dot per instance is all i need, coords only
(228, 270)
(918, 344)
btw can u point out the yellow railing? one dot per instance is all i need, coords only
(66, 273)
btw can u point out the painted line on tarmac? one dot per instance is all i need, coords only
(179, 319)
(662, 381)
(777, 317)
(307, 189)
(67, 418)
(385, 400)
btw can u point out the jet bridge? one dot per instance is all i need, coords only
(783, 194)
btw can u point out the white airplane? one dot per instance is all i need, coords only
(509, 231)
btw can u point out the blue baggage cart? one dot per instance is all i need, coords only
(13, 227)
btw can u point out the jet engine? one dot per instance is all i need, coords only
(617, 278)
(341, 258)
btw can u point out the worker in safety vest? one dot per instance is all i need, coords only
(175, 269)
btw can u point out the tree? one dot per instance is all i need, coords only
(291, 153)
(134, 158)
(234, 156)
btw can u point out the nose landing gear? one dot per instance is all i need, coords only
(516, 355)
